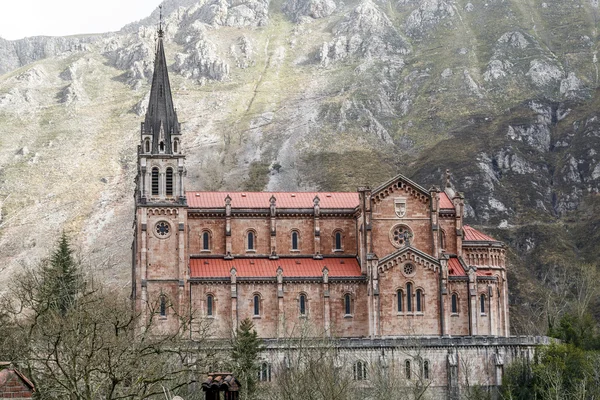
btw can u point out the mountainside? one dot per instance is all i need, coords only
(320, 95)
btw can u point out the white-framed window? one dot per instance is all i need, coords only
(155, 174)
(264, 373)
(407, 369)
(409, 300)
(303, 304)
(419, 300)
(400, 300)
(162, 307)
(338, 240)
(482, 303)
(359, 371)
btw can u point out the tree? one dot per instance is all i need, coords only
(244, 355)
(61, 278)
(85, 341)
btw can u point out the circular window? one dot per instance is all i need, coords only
(400, 236)
(409, 269)
(162, 229)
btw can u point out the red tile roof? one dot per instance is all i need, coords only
(445, 202)
(455, 268)
(472, 234)
(262, 199)
(266, 268)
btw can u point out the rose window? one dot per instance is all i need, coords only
(400, 235)
(163, 229)
(409, 269)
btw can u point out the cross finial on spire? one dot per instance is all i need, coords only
(160, 30)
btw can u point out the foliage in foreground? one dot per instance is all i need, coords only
(83, 341)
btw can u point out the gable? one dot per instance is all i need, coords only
(408, 254)
(397, 184)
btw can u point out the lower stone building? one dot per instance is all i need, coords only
(13, 384)
(371, 266)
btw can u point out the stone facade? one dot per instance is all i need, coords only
(379, 264)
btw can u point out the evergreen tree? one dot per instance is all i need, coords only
(60, 278)
(244, 354)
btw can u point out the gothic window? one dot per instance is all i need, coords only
(400, 235)
(175, 146)
(303, 304)
(162, 229)
(442, 239)
(209, 305)
(407, 369)
(359, 370)
(419, 300)
(162, 146)
(264, 374)
(400, 296)
(155, 181)
(147, 145)
(408, 269)
(348, 304)
(169, 181)
(426, 369)
(454, 303)
(294, 240)
(205, 241)
(163, 305)
(338, 241)
(409, 306)
(250, 240)
(256, 305)
(482, 303)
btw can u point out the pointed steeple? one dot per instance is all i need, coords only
(161, 120)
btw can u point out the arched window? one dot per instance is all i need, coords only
(264, 374)
(442, 239)
(302, 304)
(205, 240)
(482, 301)
(359, 370)
(161, 146)
(407, 369)
(426, 369)
(175, 146)
(155, 181)
(209, 305)
(409, 306)
(338, 241)
(256, 305)
(454, 303)
(147, 145)
(419, 300)
(169, 181)
(294, 240)
(163, 305)
(348, 304)
(250, 240)
(400, 295)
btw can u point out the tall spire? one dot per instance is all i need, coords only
(161, 120)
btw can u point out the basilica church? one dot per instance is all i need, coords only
(385, 263)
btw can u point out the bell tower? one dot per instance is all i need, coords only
(159, 272)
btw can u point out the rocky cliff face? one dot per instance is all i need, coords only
(315, 94)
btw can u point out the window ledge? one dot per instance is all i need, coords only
(210, 317)
(483, 314)
(250, 251)
(162, 317)
(303, 316)
(294, 250)
(205, 251)
(338, 250)
(348, 316)
(454, 315)
(256, 317)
